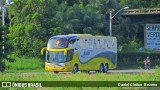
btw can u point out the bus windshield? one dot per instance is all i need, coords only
(57, 57)
(57, 43)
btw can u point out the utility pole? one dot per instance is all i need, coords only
(2, 61)
(4, 4)
(111, 17)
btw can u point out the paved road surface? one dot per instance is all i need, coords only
(91, 72)
(132, 71)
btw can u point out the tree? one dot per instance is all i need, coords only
(140, 3)
(129, 29)
(30, 25)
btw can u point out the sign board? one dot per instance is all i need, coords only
(2, 2)
(152, 36)
(8, 2)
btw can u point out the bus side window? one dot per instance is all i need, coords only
(98, 44)
(77, 44)
(77, 39)
(72, 42)
(70, 55)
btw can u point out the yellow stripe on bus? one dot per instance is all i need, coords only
(58, 50)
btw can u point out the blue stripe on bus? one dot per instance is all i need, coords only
(106, 54)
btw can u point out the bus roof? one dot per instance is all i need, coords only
(85, 35)
(63, 36)
(80, 36)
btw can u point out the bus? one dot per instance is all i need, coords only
(80, 52)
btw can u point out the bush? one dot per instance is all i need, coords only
(24, 63)
(134, 59)
(132, 44)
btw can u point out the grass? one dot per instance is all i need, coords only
(24, 69)
(49, 76)
(24, 64)
(83, 77)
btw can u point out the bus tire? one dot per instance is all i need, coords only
(75, 69)
(106, 68)
(101, 68)
(88, 72)
(56, 72)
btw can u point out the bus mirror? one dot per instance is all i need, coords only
(42, 50)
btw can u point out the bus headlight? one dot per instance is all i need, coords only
(61, 64)
(48, 64)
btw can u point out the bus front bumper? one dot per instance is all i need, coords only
(59, 69)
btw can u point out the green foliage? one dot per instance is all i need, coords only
(134, 59)
(16, 64)
(32, 23)
(132, 44)
(29, 26)
(140, 3)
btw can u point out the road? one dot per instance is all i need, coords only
(132, 71)
(91, 72)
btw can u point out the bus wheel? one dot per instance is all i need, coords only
(101, 68)
(75, 69)
(88, 72)
(106, 68)
(56, 72)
